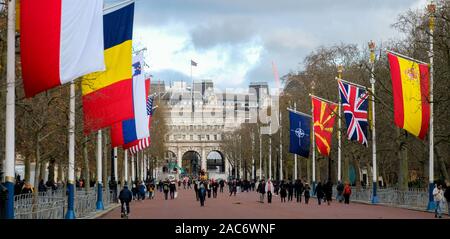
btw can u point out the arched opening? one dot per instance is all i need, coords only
(191, 163)
(215, 162)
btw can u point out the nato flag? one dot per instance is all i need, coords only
(299, 134)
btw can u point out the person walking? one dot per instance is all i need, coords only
(438, 195)
(269, 190)
(166, 189)
(319, 193)
(196, 190)
(290, 188)
(202, 193)
(215, 186)
(233, 187)
(298, 190)
(125, 197)
(142, 190)
(172, 189)
(447, 197)
(208, 188)
(307, 195)
(261, 190)
(283, 191)
(347, 193)
(222, 184)
(340, 191)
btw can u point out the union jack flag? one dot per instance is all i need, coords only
(354, 104)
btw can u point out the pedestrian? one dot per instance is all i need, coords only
(215, 186)
(290, 188)
(328, 191)
(261, 190)
(166, 189)
(319, 193)
(202, 193)
(196, 190)
(340, 191)
(298, 190)
(438, 195)
(142, 190)
(347, 193)
(233, 187)
(134, 190)
(283, 191)
(447, 197)
(208, 188)
(222, 185)
(172, 189)
(42, 187)
(125, 197)
(269, 190)
(307, 190)
(151, 190)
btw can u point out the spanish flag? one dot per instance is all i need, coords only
(410, 92)
(323, 116)
(108, 95)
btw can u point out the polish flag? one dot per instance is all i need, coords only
(60, 41)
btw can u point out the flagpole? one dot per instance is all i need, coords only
(431, 203)
(314, 146)
(133, 171)
(253, 158)
(10, 150)
(71, 177)
(340, 69)
(99, 204)
(281, 149)
(260, 155)
(270, 150)
(116, 176)
(295, 155)
(374, 141)
(125, 161)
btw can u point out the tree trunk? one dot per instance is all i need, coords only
(37, 167)
(27, 169)
(308, 171)
(51, 170)
(86, 175)
(403, 160)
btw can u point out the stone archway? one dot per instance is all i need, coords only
(215, 162)
(191, 162)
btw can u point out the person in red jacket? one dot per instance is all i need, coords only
(347, 193)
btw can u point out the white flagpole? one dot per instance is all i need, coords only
(10, 150)
(340, 69)
(253, 158)
(313, 148)
(133, 176)
(281, 149)
(260, 155)
(99, 205)
(431, 203)
(71, 174)
(295, 155)
(374, 141)
(270, 150)
(125, 162)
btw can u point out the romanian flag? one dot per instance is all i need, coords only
(108, 95)
(323, 116)
(410, 92)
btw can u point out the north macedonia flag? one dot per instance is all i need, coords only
(324, 115)
(410, 89)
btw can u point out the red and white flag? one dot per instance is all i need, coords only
(60, 41)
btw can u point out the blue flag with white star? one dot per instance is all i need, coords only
(299, 134)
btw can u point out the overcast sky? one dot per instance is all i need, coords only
(235, 42)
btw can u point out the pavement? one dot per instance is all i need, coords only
(246, 205)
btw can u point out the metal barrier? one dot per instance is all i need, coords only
(53, 204)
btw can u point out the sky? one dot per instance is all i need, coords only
(235, 42)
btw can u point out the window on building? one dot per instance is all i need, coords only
(215, 137)
(192, 137)
(207, 137)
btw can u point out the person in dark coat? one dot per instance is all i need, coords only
(340, 191)
(215, 186)
(172, 189)
(222, 185)
(328, 191)
(166, 189)
(125, 197)
(261, 190)
(42, 187)
(290, 188)
(202, 193)
(196, 190)
(283, 191)
(319, 192)
(298, 190)
(307, 195)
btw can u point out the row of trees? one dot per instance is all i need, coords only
(42, 128)
(402, 158)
